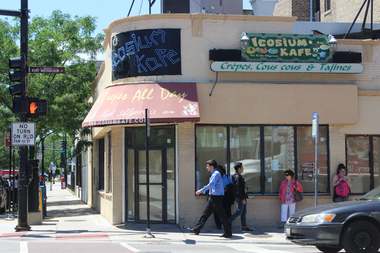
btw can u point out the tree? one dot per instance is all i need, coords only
(57, 41)
(8, 48)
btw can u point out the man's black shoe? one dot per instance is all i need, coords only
(226, 235)
(246, 229)
(192, 230)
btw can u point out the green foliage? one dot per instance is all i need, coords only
(56, 41)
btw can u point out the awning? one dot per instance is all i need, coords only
(126, 104)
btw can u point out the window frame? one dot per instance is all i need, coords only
(327, 6)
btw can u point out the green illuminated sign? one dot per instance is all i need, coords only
(287, 48)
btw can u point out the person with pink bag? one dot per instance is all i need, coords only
(341, 184)
(288, 186)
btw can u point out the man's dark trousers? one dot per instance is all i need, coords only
(214, 203)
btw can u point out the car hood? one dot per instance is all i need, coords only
(342, 207)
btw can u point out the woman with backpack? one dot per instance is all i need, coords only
(228, 198)
(341, 184)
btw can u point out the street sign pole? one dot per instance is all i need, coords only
(147, 134)
(315, 134)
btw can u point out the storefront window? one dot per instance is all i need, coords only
(130, 184)
(359, 166)
(306, 158)
(211, 144)
(376, 160)
(265, 152)
(109, 166)
(101, 164)
(279, 155)
(159, 136)
(245, 148)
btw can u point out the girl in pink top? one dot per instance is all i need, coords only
(286, 195)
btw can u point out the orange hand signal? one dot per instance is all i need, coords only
(32, 108)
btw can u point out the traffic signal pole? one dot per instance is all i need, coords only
(23, 150)
(23, 156)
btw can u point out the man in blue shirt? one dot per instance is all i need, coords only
(214, 202)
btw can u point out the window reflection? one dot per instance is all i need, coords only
(306, 158)
(279, 155)
(245, 148)
(211, 144)
(358, 164)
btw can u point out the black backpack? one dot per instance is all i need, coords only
(230, 193)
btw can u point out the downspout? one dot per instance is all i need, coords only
(311, 10)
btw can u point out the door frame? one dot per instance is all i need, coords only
(163, 184)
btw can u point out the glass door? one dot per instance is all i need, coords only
(157, 185)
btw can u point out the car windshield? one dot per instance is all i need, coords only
(374, 194)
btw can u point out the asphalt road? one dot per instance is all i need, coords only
(154, 247)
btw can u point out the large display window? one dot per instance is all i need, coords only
(265, 152)
(362, 159)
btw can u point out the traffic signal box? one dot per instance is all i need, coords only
(62, 163)
(18, 74)
(36, 108)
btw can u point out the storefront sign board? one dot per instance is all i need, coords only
(287, 48)
(147, 52)
(289, 67)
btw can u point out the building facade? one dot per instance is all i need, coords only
(327, 10)
(199, 111)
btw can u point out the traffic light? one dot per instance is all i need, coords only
(36, 108)
(20, 105)
(62, 164)
(18, 74)
(63, 145)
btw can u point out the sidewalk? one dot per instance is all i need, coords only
(68, 218)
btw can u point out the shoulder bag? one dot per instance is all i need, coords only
(297, 195)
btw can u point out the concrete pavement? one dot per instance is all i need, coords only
(68, 218)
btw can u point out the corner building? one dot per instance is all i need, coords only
(166, 63)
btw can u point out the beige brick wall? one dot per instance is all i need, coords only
(283, 8)
(341, 10)
(117, 175)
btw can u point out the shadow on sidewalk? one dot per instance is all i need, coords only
(69, 208)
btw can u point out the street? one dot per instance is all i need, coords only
(72, 226)
(190, 246)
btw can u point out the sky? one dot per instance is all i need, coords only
(106, 11)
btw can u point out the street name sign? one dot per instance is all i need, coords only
(7, 140)
(47, 70)
(23, 134)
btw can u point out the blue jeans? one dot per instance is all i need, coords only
(241, 210)
(341, 199)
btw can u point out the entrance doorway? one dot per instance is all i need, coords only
(161, 178)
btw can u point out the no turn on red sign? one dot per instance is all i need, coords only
(23, 134)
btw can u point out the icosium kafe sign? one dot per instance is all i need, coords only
(288, 67)
(287, 48)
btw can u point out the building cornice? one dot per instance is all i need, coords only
(193, 16)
